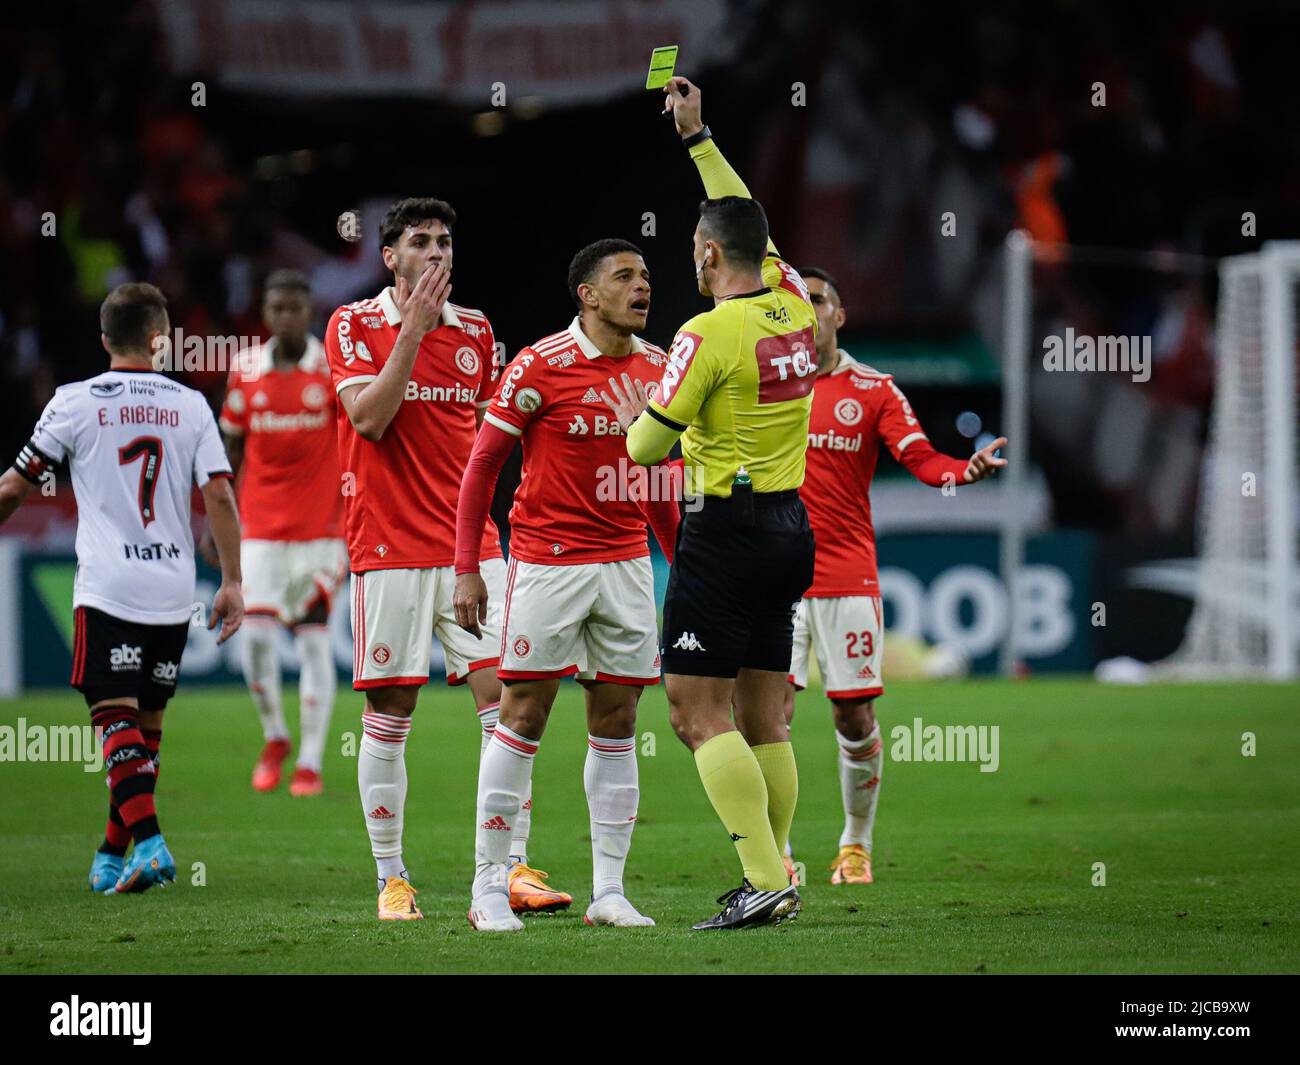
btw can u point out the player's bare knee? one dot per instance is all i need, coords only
(854, 718)
(611, 709)
(397, 700)
(524, 710)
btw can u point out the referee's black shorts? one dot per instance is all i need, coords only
(734, 587)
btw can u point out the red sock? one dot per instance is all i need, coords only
(131, 772)
(117, 837)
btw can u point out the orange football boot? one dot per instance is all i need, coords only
(852, 865)
(397, 901)
(529, 895)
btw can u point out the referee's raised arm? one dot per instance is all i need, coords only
(737, 391)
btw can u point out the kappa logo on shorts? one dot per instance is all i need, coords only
(521, 647)
(687, 642)
(381, 654)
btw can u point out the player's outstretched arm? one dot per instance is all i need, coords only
(938, 470)
(372, 407)
(14, 489)
(719, 178)
(223, 519)
(985, 462)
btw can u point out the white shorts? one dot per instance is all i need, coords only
(847, 635)
(286, 579)
(594, 619)
(395, 614)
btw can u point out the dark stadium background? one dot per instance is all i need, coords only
(925, 108)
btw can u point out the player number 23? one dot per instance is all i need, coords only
(856, 639)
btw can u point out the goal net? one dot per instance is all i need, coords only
(1244, 619)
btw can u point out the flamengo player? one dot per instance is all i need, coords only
(579, 597)
(412, 372)
(136, 443)
(278, 421)
(855, 409)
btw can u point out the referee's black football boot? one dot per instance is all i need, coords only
(746, 906)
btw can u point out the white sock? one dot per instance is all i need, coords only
(860, 765)
(261, 662)
(504, 772)
(488, 717)
(317, 682)
(613, 792)
(381, 777)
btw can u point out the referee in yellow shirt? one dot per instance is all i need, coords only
(737, 391)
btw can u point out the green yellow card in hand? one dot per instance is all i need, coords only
(662, 62)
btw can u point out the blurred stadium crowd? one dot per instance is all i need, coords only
(990, 115)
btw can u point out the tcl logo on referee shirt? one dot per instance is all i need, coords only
(787, 366)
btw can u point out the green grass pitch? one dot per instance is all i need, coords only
(976, 872)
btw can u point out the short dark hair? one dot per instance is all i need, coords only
(739, 225)
(291, 279)
(821, 275)
(588, 260)
(129, 314)
(411, 212)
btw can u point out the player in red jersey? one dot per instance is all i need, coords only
(413, 373)
(278, 423)
(855, 410)
(579, 596)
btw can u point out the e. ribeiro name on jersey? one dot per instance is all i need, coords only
(289, 485)
(400, 504)
(574, 449)
(136, 443)
(854, 409)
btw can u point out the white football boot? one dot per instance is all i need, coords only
(614, 910)
(491, 912)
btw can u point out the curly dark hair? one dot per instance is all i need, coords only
(411, 212)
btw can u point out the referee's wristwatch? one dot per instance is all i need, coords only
(697, 138)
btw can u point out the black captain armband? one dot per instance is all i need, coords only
(697, 138)
(663, 419)
(32, 463)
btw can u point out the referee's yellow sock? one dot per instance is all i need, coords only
(776, 760)
(734, 783)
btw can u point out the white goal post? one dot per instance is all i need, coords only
(1245, 618)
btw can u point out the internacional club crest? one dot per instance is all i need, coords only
(848, 412)
(467, 361)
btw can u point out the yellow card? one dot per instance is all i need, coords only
(662, 62)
